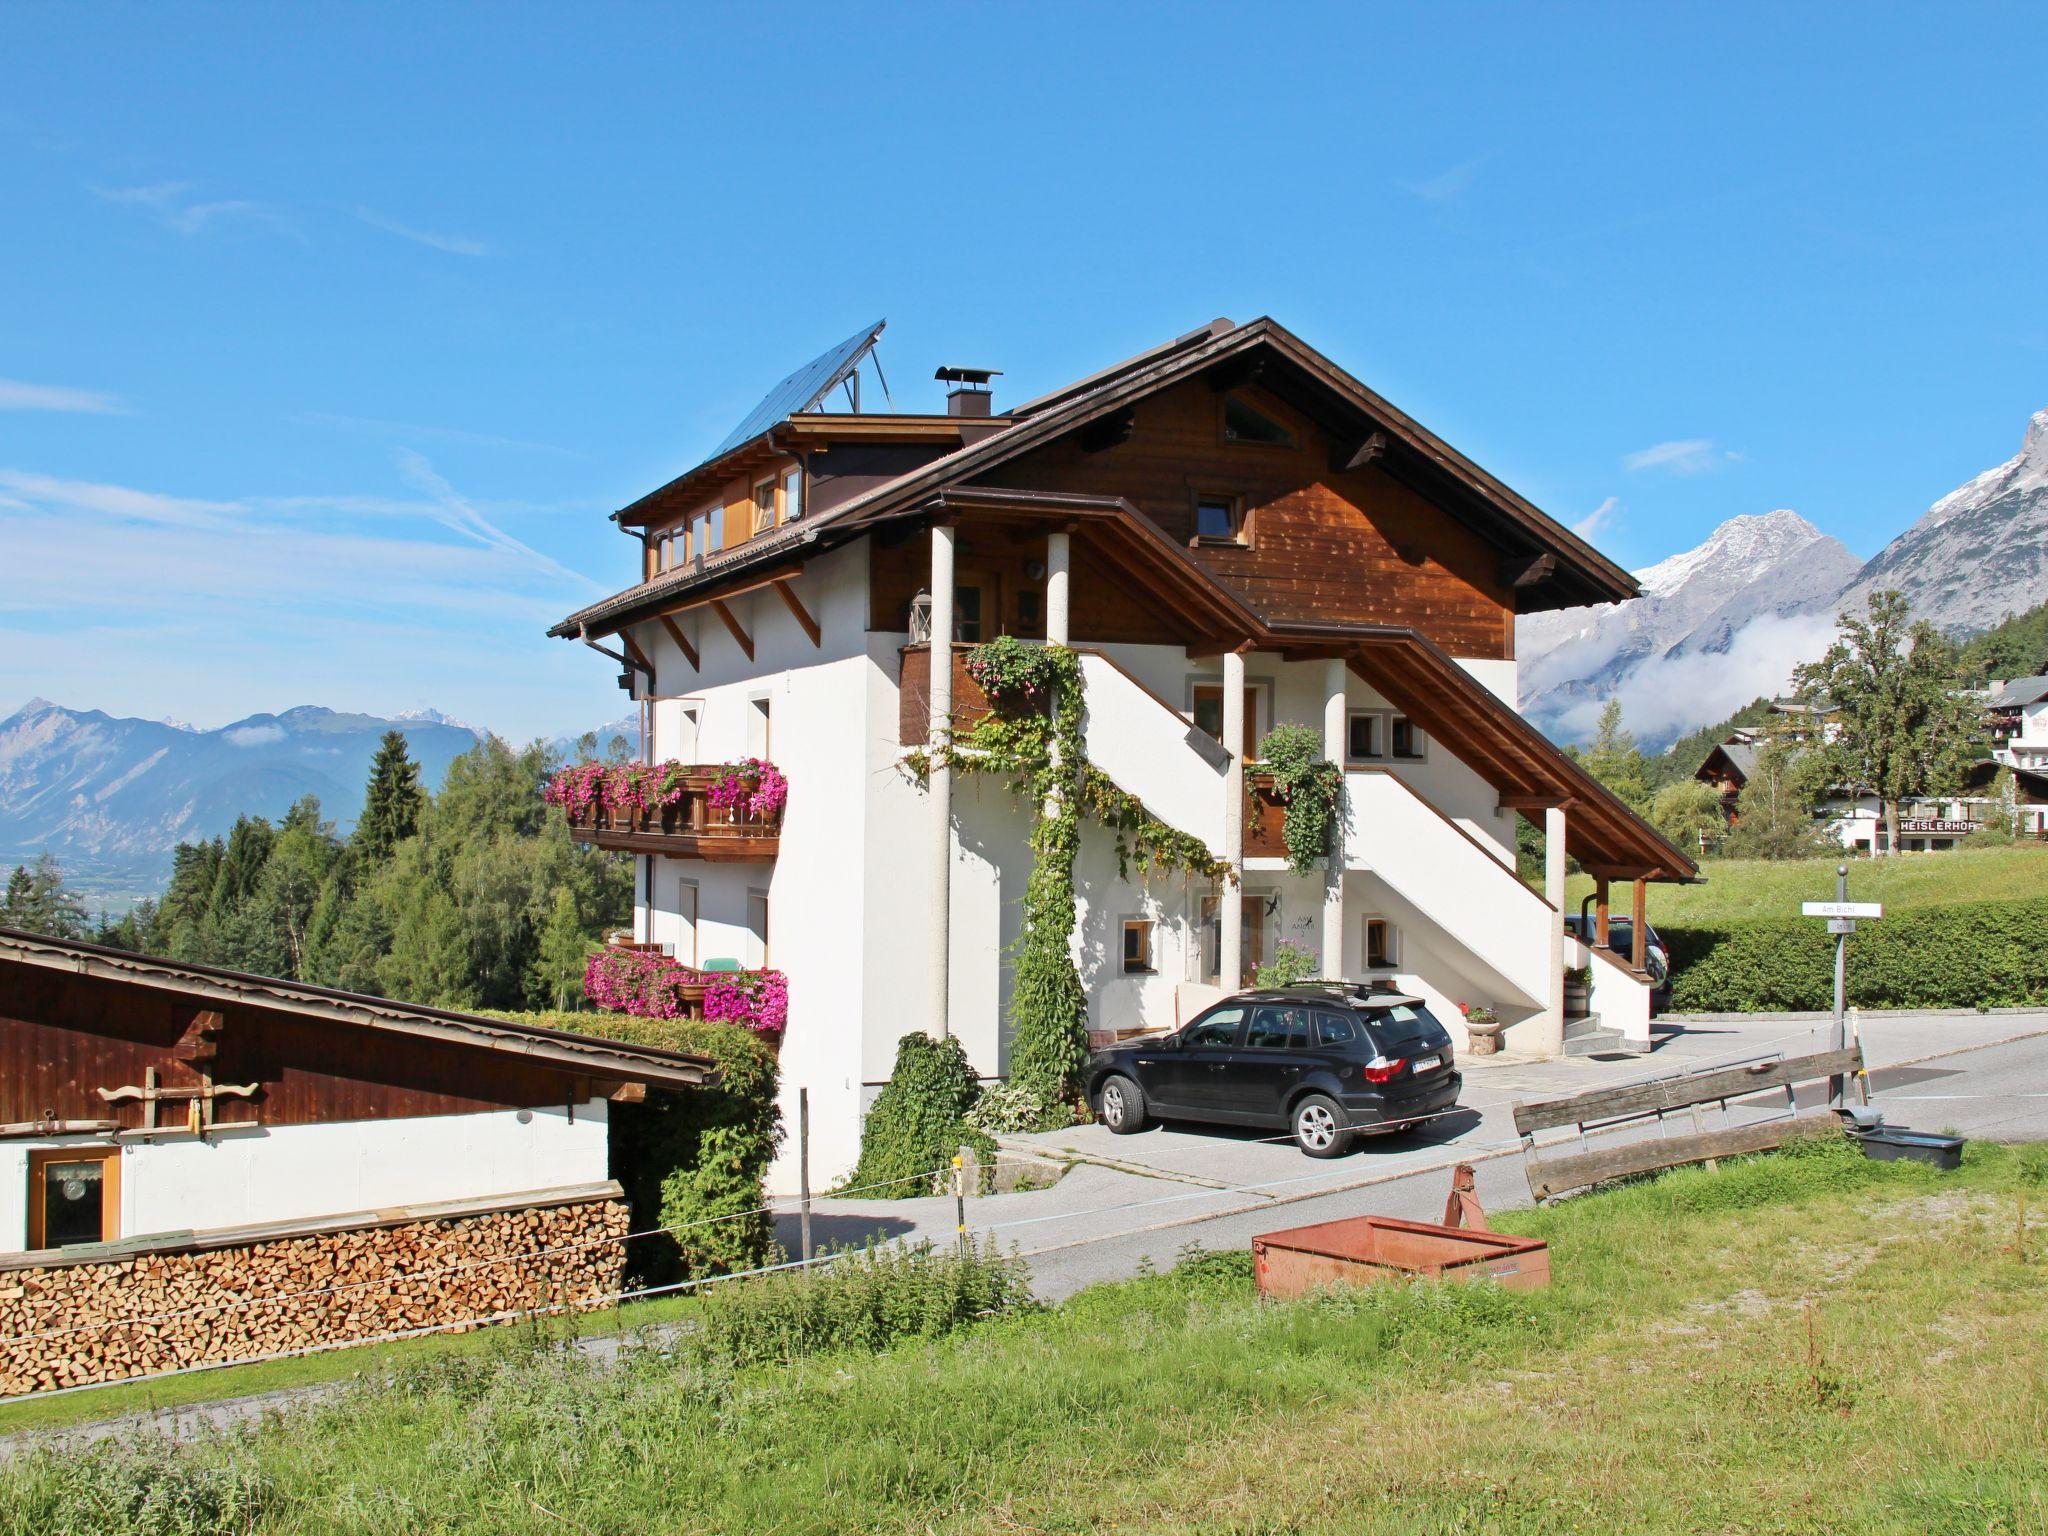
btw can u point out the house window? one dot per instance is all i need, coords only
(1379, 944)
(1205, 708)
(1030, 614)
(1243, 423)
(74, 1196)
(685, 946)
(764, 506)
(757, 928)
(1219, 519)
(792, 495)
(1362, 736)
(967, 614)
(1407, 742)
(758, 716)
(707, 533)
(1138, 946)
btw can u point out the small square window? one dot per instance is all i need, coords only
(1138, 946)
(1216, 519)
(1406, 740)
(1362, 738)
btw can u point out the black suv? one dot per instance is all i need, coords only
(1323, 1059)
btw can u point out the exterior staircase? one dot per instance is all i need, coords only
(1587, 1036)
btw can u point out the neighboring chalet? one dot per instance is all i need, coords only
(174, 1134)
(2018, 716)
(1234, 533)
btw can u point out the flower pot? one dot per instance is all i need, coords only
(1485, 1039)
(1578, 999)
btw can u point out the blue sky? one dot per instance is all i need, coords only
(328, 337)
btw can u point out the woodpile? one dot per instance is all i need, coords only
(71, 1324)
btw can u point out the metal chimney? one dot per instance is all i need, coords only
(969, 394)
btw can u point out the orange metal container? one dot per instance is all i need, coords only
(1366, 1250)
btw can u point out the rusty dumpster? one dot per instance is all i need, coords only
(1365, 1250)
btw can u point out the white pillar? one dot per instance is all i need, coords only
(1230, 948)
(1550, 1042)
(1335, 723)
(1058, 556)
(940, 692)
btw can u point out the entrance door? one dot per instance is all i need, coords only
(1208, 711)
(1253, 931)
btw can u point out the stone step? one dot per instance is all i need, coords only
(1587, 1036)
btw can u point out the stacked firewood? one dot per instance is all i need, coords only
(70, 1324)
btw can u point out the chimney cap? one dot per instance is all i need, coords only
(968, 376)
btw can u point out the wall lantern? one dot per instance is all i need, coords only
(921, 618)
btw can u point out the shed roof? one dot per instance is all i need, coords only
(612, 1059)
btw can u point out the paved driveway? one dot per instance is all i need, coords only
(1140, 1198)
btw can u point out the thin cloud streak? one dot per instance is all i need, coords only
(170, 203)
(1446, 186)
(438, 434)
(460, 515)
(17, 395)
(454, 245)
(1681, 456)
(1600, 519)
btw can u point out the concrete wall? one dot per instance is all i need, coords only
(306, 1172)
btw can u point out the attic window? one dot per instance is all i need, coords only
(1218, 519)
(1243, 424)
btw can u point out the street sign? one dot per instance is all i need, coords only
(1842, 908)
(1841, 925)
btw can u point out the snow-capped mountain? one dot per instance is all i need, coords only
(1980, 552)
(112, 796)
(1692, 640)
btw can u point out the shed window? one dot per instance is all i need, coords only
(1245, 424)
(74, 1196)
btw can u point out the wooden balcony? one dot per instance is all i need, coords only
(914, 695)
(693, 828)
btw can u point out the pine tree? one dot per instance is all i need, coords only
(391, 805)
(1615, 761)
(38, 901)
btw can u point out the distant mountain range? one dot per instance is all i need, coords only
(111, 797)
(1723, 623)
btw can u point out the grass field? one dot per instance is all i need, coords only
(1797, 1342)
(1739, 889)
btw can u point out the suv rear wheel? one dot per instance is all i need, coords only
(1123, 1106)
(1319, 1127)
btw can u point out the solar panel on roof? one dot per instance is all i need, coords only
(804, 388)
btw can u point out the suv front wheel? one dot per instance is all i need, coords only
(1123, 1106)
(1319, 1128)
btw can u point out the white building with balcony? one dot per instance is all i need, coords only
(1233, 533)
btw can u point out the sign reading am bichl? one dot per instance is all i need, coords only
(1849, 909)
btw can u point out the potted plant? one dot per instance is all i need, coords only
(1484, 1026)
(1578, 991)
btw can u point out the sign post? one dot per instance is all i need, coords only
(1841, 914)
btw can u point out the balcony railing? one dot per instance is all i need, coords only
(691, 828)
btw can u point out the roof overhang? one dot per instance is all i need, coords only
(583, 1054)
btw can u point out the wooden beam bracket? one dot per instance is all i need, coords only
(676, 634)
(1520, 571)
(800, 613)
(1348, 456)
(1108, 431)
(744, 640)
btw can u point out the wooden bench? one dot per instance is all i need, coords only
(1556, 1169)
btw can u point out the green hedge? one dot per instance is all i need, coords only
(1986, 954)
(684, 1158)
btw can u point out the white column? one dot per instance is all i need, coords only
(1230, 949)
(1058, 557)
(1335, 722)
(1550, 1042)
(940, 692)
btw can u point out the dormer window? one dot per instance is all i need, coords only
(764, 506)
(1243, 423)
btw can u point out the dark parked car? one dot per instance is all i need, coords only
(1621, 940)
(1324, 1061)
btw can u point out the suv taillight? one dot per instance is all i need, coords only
(1384, 1069)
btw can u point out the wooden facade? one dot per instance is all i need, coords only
(1317, 544)
(107, 1042)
